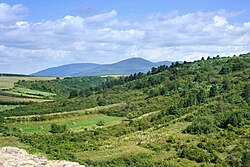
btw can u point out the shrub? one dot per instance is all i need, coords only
(236, 119)
(204, 124)
(197, 155)
(1, 119)
(58, 128)
(100, 123)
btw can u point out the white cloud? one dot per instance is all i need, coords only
(220, 21)
(105, 38)
(11, 14)
(102, 17)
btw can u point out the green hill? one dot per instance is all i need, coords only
(190, 114)
(65, 85)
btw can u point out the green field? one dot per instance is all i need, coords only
(75, 123)
(12, 96)
(20, 99)
(31, 92)
(7, 82)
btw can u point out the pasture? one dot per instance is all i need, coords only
(74, 123)
(31, 92)
(7, 82)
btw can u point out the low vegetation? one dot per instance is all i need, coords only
(190, 114)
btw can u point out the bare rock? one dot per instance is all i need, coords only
(15, 157)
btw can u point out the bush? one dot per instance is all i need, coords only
(197, 155)
(173, 110)
(204, 124)
(236, 119)
(58, 128)
(1, 119)
(100, 123)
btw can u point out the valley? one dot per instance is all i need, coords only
(185, 114)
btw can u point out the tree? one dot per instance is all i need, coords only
(154, 92)
(246, 159)
(73, 93)
(201, 96)
(246, 93)
(173, 110)
(100, 101)
(204, 124)
(235, 119)
(225, 85)
(154, 70)
(224, 70)
(58, 128)
(213, 91)
(1, 119)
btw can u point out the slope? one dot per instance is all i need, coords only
(191, 114)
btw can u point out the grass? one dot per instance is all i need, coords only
(17, 99)
(7, 107)
(75, 123)
(31, 92)
(21, 95)
(113, 153)
(11, 141)
(7, 82)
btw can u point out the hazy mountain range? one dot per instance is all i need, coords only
(128, 66)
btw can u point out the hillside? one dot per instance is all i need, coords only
(65, 85)
(128, 66)
(190, 114)
(66, 70)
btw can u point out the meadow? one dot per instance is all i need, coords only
(7, 82)
(78, 123)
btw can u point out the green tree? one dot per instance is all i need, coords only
(73, 93)
(224, 70)
(202, 124)
(58, 128)
(101, 101)
(246, 93)
(213, 91)
(201, 96)
(1, 119)
(246, 159)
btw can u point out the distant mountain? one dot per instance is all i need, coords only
(128, 66)
(66, 70)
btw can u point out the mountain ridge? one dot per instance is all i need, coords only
(127, 66)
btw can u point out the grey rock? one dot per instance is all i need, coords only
(15, 157)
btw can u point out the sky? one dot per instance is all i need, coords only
(36, 35)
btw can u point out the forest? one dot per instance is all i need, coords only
(186, 114)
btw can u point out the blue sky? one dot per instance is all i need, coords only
(136, 9)
(41, 34)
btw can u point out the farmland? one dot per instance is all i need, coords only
(7, 82)
(74, 123)
(190, 114)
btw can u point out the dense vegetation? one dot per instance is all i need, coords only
(190, 114)
(14, 75)
(66, 85)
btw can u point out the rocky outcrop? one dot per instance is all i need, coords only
(15, 157)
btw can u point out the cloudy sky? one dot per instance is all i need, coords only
(35, 35)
